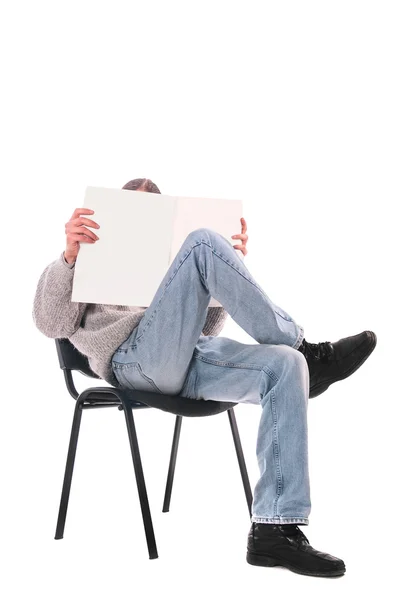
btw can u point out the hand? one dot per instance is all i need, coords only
(77, 233)
(243, 236)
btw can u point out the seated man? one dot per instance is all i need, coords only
(172, 347)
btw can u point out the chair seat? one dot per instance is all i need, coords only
(177, 405)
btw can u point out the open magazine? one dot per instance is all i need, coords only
(140, 234)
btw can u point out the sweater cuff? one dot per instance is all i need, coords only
(70, 266)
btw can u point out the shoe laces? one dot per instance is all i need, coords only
(322, 351)
(292, 530)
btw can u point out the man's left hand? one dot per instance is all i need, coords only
(242, 236)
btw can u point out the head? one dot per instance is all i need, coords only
(142, 185)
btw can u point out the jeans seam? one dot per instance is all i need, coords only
(275, 446)
(279, 519)
(232, 365)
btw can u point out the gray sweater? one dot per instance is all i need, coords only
(96, 330)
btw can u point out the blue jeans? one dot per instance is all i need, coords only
(166, 353)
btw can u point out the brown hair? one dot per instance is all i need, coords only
(145, 185)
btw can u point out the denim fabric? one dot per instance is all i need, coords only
(166, 353)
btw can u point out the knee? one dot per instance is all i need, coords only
(200, 234)
(291, 369)
(291, 360)
(295, 358)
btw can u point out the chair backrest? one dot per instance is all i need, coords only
(70, 358)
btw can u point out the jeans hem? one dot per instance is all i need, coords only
(280, 520)
(300, 338)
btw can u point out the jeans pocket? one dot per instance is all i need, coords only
(131, 376)
(143, 382)
(121, 372)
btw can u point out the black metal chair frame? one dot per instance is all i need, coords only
(129, 400)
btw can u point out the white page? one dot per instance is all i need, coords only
(140, 234)
(127, 263)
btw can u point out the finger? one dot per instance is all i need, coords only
(244, 225)
(76, 237)
(84, 221)
(81, 211)
(243, 249)
(80, 221)
(84, 231)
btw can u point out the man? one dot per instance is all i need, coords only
(172, 347)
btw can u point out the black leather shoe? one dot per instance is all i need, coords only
(328, 363)
(286, 546)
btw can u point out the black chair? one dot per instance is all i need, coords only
(128, 400)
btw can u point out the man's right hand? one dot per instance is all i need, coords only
(77, 233)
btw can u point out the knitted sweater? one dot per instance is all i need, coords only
(96, 330)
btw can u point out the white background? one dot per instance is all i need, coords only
(291, 106)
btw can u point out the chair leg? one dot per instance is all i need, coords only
(139, 475)
(70, 461)
(241, 459)
(173, 458)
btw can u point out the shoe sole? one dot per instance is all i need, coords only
(262, 560)
(322, 387)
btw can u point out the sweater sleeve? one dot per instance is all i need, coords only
(215, 320)
(54, 314)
